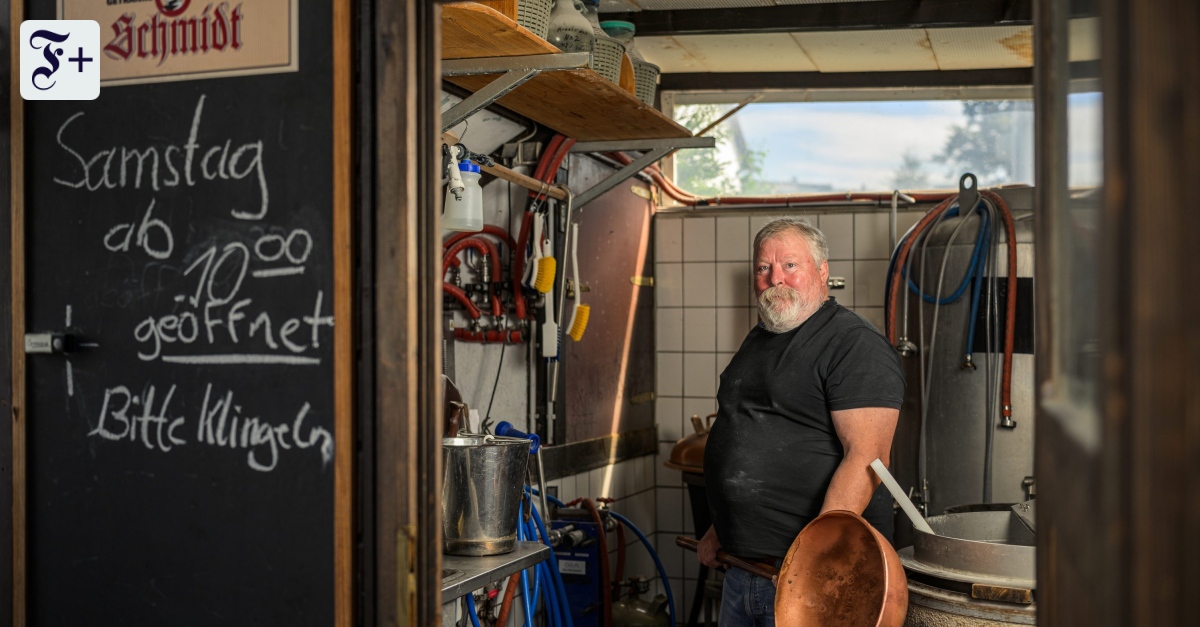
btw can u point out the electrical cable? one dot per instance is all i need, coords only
(487, 417)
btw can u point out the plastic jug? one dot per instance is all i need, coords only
(465, 211)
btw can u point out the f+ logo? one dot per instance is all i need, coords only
(44, 44)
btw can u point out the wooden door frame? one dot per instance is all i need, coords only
(400, 319)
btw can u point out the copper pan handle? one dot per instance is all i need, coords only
(754, 568)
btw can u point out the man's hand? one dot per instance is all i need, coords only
(706, 553)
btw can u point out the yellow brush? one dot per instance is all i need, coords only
(546, 266)
(579, 315)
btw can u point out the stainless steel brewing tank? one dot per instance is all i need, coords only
(957, 425)
(481, 492)
(992, 549)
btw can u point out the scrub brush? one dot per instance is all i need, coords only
(545, 278)
(547, 267)
(531, 264)
(579, 315)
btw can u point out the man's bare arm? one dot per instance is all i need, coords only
(865, 434)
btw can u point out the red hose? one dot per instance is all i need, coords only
(488, 229)
(519, 262)
(901, 257)
(482, 246)
(489, 337)
(605, 575)
(462, 297)
(1010, 322)
(1010, 319)
(506, 605)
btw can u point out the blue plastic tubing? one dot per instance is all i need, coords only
(471, 609)
(564, 609)
(526, 599)
(662, 572)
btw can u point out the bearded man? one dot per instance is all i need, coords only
(809, 400)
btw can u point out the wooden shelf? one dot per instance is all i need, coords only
(577, 103)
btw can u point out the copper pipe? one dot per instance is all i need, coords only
(605, 575)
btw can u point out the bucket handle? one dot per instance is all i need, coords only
(506, 430)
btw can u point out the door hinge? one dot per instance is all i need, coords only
(642, 281)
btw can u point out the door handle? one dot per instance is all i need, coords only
(49, 343)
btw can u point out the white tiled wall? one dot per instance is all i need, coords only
(704, 307)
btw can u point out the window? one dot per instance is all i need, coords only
(813, 147)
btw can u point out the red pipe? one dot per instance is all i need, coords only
(489, 337)
(605, 575)
(462, 297)
(689, 199)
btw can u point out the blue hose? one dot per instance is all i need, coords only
(525, 598)
(471, 609)
(976, 255)
(662, 572)
(560, 587)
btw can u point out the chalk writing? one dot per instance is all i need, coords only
(110, 168)
(221, 422)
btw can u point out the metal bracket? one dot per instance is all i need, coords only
(655, 149)
(514, 71)
(968, 193)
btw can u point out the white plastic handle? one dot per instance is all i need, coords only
(918, 521)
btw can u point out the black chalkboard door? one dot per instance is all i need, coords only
(180, 461)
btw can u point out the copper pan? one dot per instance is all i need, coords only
(841, 572)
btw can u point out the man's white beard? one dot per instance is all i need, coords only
(782, 308)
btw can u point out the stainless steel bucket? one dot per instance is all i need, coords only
(481, 493)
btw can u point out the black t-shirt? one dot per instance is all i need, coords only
(773, 448)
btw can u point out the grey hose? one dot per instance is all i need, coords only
(921, 454)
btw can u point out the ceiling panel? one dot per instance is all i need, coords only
(982, 48)
(868, 51)
(768, 52)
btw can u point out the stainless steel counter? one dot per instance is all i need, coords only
(464, 574)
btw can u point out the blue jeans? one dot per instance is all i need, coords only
(747, 600)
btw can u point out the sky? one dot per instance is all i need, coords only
(848, 145)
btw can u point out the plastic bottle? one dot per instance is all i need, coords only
(465, 213)
(570, 31)
(623, 32)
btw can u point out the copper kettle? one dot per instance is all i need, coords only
(688, 454)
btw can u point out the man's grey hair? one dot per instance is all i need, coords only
(816, 239)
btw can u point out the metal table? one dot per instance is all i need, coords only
(464, 574)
